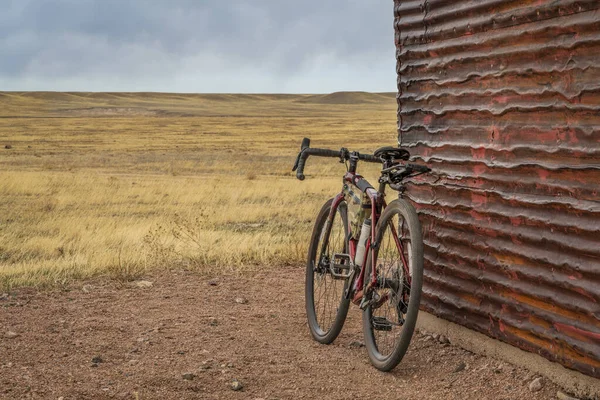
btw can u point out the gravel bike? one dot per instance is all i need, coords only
(365, 251)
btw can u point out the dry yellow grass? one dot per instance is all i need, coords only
(100, 183)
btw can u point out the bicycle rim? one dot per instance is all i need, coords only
(325, 302)
(390, 319)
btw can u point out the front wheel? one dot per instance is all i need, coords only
(326, 304)
(393, 301)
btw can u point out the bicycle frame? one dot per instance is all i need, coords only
(378, 204)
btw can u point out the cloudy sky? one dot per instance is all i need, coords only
(206, 46)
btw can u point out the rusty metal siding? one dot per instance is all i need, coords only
(502, 99)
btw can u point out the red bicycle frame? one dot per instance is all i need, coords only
(378, 203)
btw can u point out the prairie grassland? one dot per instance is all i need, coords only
(115, 184)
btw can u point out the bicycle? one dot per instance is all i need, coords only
(353, 232)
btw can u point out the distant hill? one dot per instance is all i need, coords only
(104, 104)
(348, 98)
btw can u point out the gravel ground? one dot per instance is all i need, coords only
(181, 336)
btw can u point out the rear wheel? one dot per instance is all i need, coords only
(393, 302)
(326, 305)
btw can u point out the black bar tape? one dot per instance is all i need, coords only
(369, 158)
(324, 153)
(301, 162)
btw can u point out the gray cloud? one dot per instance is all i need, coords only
(197, 45)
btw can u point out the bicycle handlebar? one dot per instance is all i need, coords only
(342, 154)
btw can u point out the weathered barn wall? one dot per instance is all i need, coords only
(502, 99)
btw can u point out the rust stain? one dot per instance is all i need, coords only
(502, 100)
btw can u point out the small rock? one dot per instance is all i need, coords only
(188, 376)
(460, 367)
(97, 359)
(241, 300)
(87, 288)
(563, 396)
(356, 344)
(61, 398)
(444, 340)
(11, 335)
(536, 385)
(8, 147)
(236, 385)
(204, 367)
(435, 336)
(144, 284)
(229, 365)
(213, 283)
(4, 296)
(497, 370)
(213, 322)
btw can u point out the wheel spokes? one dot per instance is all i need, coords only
(326, 289)
(393, 263)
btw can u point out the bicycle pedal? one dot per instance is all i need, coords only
(381, 324)
(341, 267)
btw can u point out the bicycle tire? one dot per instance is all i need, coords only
(413, 248)
(321, 333)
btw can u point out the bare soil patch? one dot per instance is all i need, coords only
(189, 337)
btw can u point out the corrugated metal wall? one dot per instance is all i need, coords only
(502, 99)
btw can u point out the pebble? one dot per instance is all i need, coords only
(460, 367)
(4, 296)
(144, 284)
(536, 385)
(188, 376)
(563, 396)
(87, 288)
(236, 385)
(241, 300)
(213, 321)
(444, 340)
(11, 335)
(356, 344)
(213, 283)
(97, 359)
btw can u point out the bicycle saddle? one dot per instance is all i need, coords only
(392, 153)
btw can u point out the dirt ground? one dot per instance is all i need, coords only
(187, 337)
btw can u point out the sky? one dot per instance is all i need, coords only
(197, 46)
